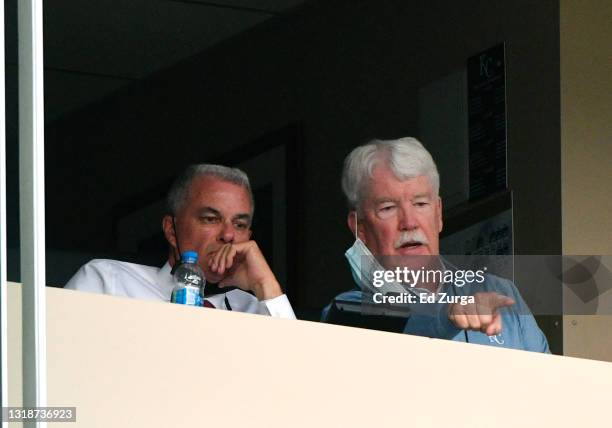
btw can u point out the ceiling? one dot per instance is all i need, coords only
(94, 47)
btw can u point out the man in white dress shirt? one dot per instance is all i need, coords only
(210, 209)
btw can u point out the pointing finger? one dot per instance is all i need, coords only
(502, 301)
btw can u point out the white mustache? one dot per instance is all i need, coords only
(415, 236)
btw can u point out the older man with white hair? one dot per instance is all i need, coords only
(395, 214)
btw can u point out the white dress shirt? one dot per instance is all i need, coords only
(151, 283)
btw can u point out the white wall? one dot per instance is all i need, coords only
(124, 362)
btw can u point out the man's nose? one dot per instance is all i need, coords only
(227, 233)
(407, 220)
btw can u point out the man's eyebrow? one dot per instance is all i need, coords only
(215, 212)
(384, 199)
(421, 195)
(209, 210)
(243, 216)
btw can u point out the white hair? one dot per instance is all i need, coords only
(406, 157)
(179, 191)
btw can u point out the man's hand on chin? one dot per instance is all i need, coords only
(243, 265)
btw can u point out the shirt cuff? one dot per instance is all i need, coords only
(279, 307)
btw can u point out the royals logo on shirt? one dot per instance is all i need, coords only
(497, 339)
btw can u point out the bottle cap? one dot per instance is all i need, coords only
(189, 257)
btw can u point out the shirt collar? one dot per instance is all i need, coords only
(165, 280)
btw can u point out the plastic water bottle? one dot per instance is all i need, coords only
(188, 281)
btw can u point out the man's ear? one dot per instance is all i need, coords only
(353, 225)
(440, 223)
(168, 228)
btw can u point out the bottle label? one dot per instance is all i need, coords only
(187, 296)
(192, 279)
